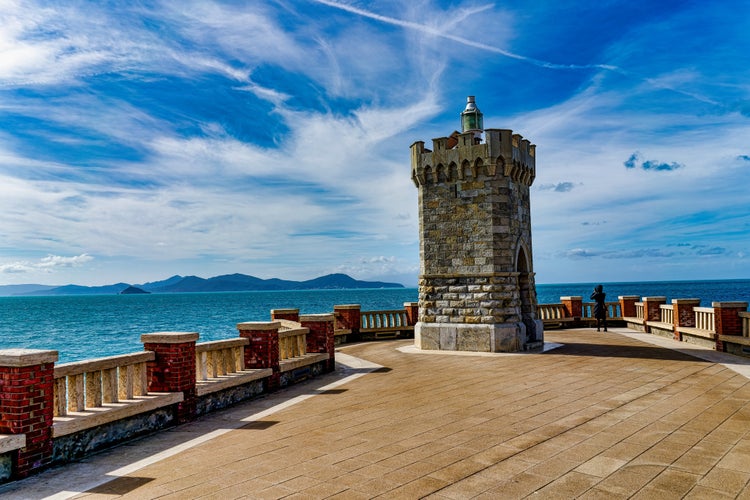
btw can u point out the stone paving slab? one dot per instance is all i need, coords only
(615, 415)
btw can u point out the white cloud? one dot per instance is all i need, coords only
(48, 264)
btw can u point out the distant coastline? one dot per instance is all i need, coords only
(189, 284)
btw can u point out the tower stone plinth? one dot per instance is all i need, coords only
(476, 283)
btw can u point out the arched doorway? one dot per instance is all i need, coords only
(527, 292)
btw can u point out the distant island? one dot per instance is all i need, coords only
(133, 290)
(186, 284)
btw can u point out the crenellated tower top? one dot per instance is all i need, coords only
(462, 156)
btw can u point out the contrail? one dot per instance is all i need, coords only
(465, 41)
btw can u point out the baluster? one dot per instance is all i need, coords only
(302, 344)
(228, 364)
(61, 397)
(228, 361)
(239, 357)
(211, 367)
(141, 374)
(109, 385)
(125, 382)
(93, 389)
(199, 375)
(75, 392)
(282, 348)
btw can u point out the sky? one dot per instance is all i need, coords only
(139, 140)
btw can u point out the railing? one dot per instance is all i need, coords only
(551, 311)
(384, 321)
(666, 313)
(745, 318)
(639, 310)
(613, 310)
(704, 318)
(220, 364)
(92, 383)
(292, 343)
(98, 391)
(218, 358)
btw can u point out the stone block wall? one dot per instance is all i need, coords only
(472, 300)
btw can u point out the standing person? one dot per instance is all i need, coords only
(600, 308)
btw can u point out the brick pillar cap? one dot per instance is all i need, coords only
(26, 357)
(312, 318)
(686, 301)
(284, 311)
(654, 298)
(629, 297)
(572, 297)
(730, 305)
(411, 304)
(257, 326)
(169, 337)
(347, 306)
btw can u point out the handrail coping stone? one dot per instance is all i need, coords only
(221, 344)
(703, 309)
(293, 332)
(10, 442)
(98, 364)
(169, 337)
(730, 304)
(259, 325)
(17, 357)
(313, 318)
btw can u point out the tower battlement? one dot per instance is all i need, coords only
(462, 156)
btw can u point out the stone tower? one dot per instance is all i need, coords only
(476, 283)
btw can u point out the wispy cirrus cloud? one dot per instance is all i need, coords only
(441, 32)
(560, 187)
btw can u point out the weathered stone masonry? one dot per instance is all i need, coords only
(475, 244)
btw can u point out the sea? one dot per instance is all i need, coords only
(92, 326)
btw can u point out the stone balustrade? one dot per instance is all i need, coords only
(64, 412)
(574, 312)
(52, 414)
(94, 392)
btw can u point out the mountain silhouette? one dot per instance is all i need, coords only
(225, 283)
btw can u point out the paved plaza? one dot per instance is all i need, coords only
(600, 415)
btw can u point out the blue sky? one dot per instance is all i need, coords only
(143, 139)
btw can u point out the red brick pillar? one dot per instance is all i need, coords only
(288, 314)
(27, 378)
(347, 317)
(263, 350)
(320, 338)
(573, 306)
(652, 310)
(727, 320)
(173, 369)
(684, 314)
(627, 305)
(412, 313)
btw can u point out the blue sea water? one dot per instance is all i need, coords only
(83, 327)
